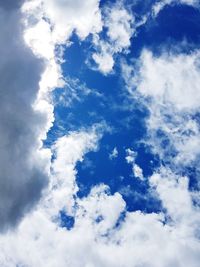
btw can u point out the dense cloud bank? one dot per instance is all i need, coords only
(22, 161)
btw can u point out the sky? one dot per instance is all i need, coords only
(99, 133)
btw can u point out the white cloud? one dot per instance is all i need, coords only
(104, 59)
(138, 172)
(171, 78)
(95, 240)
(68, 150)
(167, 185)
(66, 16)
(168, 86)
(130, 159)
(118, 22)
(74, 91)
(130, 155)
(48, 28)
(113, 154)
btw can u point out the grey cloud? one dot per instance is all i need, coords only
(10, 4)
(22, 172)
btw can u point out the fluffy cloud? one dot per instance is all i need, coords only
(171, 78)
(167, 184)
(130, 155)
(96, 240)
(138, 172)
(168, 85)
(64, 18)
(130, 158)
(68, 150)
(118, 22)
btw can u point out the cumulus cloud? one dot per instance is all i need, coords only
(167, 184)
(96, 240)
(68, 150)
(166, 78)
(168, 85)
(65, 17)
(118, 21)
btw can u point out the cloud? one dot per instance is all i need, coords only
(48, 28)
(138, 172)
(130, 156)
(168, 86)
(130, 159)
(9, 4)
(68, 150)
(166, 78)
(118, 23)
(23, 162)
(167, 183)
(95, 240)
(113, 154)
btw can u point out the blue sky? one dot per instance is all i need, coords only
(110, 102)
(100, 133)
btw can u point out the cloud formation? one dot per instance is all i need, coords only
(168, 84)
(118, 22)
(23, 162)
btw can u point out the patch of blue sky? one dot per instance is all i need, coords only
(67, 221)
(127, 121)
(110, 102)
(176, 26)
